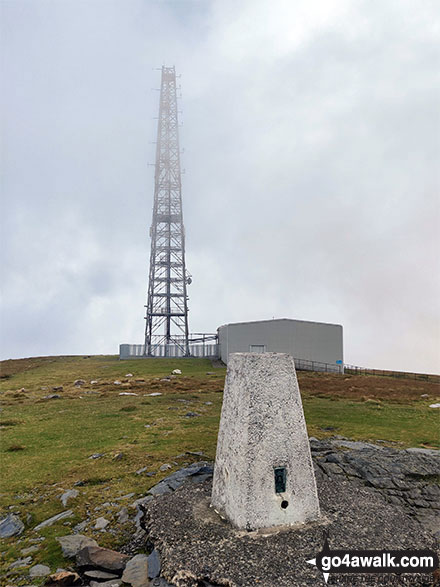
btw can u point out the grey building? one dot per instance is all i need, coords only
(315, 345)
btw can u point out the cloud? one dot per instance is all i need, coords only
(310, 153)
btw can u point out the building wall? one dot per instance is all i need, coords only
(313, 341)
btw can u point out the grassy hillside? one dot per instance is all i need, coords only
(46, 443)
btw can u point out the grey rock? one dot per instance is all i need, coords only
(424, 451)
(58, 388)
(111, 583)
(11, 526)
(39, 571)
(160, 489)
(200, 478)
(126, 496)
(73, 543)
(153, 564)
(165, 467)
(432, 491)
(52, 396)
(69, 494)
(333, 458)
(136, 571)
(356, 445)
(100, 575)
(123, 515)
(96, 455)
(119, 456)
(80, 527)
(103, 558)
(331, 468)
(101, 523)
(140, 471)
(54, 519)
(400, 484)
(380, 482)
(141, 501)
(79, 382)
(29, 550)
(21, 562)
(191, 415)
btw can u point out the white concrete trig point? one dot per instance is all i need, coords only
(263, 473)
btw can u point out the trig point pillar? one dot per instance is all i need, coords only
(263, 473)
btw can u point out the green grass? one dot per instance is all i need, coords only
(46, 444)
(408, 425)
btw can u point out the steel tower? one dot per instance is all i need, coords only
(167, 303)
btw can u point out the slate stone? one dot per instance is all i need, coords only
(11, 526)
(136, 571)
(126, 496)
(102, 558)
(160, 489)
(400, 484)
(123, 515)
(73, 543)
(153, 564)
(111, 583)
(21, 562)
(200, 478)
(29, 550)
(54, 519)
(39, 571)
(333, 458)
(104, 575)
(142, 501)
(381, 482)
(424, 451)
(69, 494)
(80, 527)
(101, 523)
(142, 470)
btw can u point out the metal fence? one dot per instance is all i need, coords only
(137, 351)
(354, 370)
(306, 365)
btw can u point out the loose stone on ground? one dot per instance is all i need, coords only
(72, 544)
(11, 525)
(136, 571)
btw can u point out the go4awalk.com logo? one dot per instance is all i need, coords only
(374, 561)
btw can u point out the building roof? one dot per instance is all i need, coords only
(279, 320)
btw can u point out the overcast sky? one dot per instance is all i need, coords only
(311, 136)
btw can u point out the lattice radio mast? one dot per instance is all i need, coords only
(167, 303)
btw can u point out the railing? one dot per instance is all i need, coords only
(137, 351)
(354, 370)
(306, 365)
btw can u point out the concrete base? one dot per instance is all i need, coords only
(263, 473)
